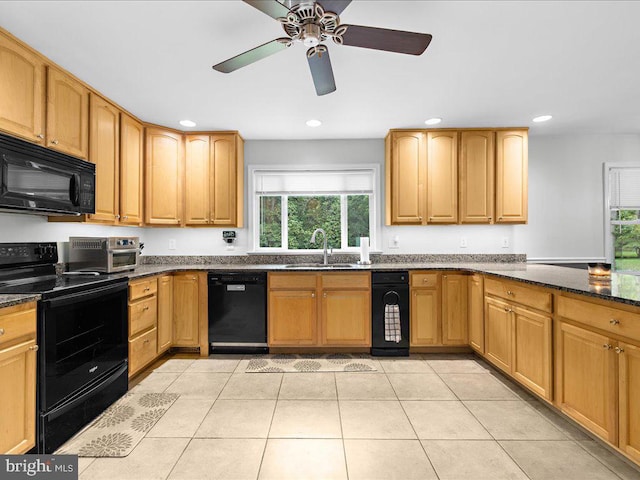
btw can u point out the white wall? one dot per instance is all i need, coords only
(565, 203)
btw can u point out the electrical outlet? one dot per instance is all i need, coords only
(463, 242)
(172, 244)
(505, 242)
(394, 242)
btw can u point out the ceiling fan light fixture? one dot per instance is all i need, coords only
(313, 123)
(542, 118)
(433, 121)
(187, 123)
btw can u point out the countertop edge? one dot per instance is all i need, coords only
(17, 299)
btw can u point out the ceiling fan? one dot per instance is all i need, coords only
(311, 23)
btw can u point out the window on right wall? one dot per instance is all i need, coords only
(622, 217)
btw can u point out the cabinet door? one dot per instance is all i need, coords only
(223, 179)
(629, 362)
(163, 185)
(131, 179)
(185, 310)
(511, 176)
(454, 309)
(497, 333)
(18, 397)
(292, 318)
(406, 178)
(532, 350)
(442, 177)
(196, 174)
(104, 152)
(476, 169)
(346, 318)
(476, 313)
(21, 91)
(586, 383)
(67, 114)
(425, 317)
(165, 312)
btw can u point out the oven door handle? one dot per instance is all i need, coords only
(62, 409)
(89, 295)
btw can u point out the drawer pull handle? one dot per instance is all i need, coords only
(40, 136)
(146, 341)
(613, 321)
(508, 310)
(1, 331)
(313, 295)
(509, 292)
(324, 295)
(146, 307)
(606, 346)
(34, 348)
(619, 350)
(55, 142)
(147, 289)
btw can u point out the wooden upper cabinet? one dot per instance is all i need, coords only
(67, 114)
(163, 178)
(22, 95)
(476, 170)
(511, 176)
(406, 178)
(196, 170)
(131, 162)
(442, 177)
(104, 152)
(224, 174)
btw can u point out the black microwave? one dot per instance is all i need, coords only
(37, 180)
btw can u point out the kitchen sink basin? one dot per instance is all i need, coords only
(320, 265)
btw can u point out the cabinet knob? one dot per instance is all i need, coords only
(509, 292)
(55, 142)
(146, 341)
(146, 289)
(146, 307)
(40, 136)
(118, 217)
(313, 295)
(420, 218)
(613, 321)
(619, 350)
(606, 346)
(508, 310)
(1, 331)
(125, 217)
(34, 348)
(324, 294)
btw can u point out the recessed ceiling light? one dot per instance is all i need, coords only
(542, 118)
(433, 121)
(313, 123)
(187, 123)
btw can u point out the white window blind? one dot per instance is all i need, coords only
(281, 182)
(624, 188)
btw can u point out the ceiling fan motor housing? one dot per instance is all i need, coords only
(309, 23)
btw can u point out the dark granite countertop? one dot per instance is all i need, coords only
(622, 288)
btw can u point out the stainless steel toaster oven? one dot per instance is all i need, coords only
(103, 254)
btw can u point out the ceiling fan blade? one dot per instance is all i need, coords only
(385, 39)
(321, 71)
(253, 55)
(335, 6)
(273, 8)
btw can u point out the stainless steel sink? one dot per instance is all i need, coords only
(320, 265)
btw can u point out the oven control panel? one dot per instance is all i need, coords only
(28, 253)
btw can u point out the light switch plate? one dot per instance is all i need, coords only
(172, 244)
(463, 242)
(505, 242)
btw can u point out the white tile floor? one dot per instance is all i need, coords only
(428, 417)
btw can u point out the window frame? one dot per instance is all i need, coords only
(254, 207)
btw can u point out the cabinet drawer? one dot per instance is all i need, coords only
(143, 288)
(346, 280)
(143, 314)
(606, 318)
(142, 350)
(418, 279)
(17, 322)
(295, 281)
(518, 293)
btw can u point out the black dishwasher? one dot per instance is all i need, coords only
(237, 312)
(389, 293)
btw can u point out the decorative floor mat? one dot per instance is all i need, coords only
(120, 428)
(328, 362)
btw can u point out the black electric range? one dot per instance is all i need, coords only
(82, 334)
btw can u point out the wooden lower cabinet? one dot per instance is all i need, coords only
(476, 313)
(18, 378)
(186, 316)
(165, 313)
(292, 318)
(454, 309)
(586, 383)
(497, 333)
(143, 320)
(319, 309)
(532, 351)
(425, 315)
(629, 421)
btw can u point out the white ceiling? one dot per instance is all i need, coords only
(489, 64)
